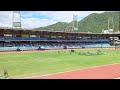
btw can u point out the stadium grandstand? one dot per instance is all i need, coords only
(30, 39)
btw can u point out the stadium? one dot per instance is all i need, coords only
(46, 54)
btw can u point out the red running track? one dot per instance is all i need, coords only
(101, 72)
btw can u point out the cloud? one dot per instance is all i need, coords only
(5, 18)
(35, 22)
(33, 19)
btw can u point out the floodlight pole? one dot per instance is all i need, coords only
(119, 21)
(13, 20)
(112, 24)
(108, 23)
(75, 23)
(13, 17)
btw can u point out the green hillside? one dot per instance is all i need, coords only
(92, 23)
(57, 26)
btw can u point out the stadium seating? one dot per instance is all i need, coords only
(83, 42)
(35, 38)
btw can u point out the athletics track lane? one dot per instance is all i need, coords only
(100, 72)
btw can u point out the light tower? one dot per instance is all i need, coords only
(110, 24)
(75, 23)
(16, 19)
(119, 20)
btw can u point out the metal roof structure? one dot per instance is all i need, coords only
(8, 29)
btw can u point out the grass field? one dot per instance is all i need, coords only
(26, 64)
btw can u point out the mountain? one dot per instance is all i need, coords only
(58, 26)
(93, 23)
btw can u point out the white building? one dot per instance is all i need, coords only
(105, 31)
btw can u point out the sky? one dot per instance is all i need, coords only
(34, 19)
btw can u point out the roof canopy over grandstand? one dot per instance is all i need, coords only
(57, 33)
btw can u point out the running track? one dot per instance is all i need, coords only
(100, 72)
